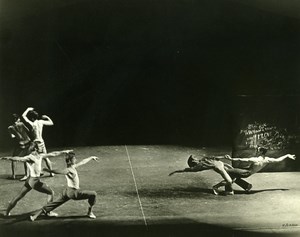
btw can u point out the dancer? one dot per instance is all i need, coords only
(206, 163)
(73, 190)
(32, 118)
(257, 164)
(34, 161)
(23, 145)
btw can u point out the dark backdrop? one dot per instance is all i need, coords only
(141, 71)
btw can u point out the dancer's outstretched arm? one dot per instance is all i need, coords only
(268, 159)
(16, 158)
(55, 153)
(281, 158)
(86, 160)
(251, 159)
(57, 171)
(220, 157)
(66, 171)
(182, 171)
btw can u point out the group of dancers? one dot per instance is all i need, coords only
(230, 174)
(31, 150)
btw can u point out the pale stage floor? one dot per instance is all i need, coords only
(136, 197)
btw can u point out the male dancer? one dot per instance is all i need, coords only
(32, 118)
(72, 191)
(257, 164)
(34, 165)
(206, 163)
(20, 133)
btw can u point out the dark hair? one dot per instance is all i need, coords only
(70, 156)
(16, 117)
(33, 115)
(191, 161)
(32, 147)
(262, 150)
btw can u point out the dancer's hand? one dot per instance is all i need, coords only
(4, 158)
(30, 108)
(67, 151)
(174, 172)
(293, 157)
(228, 157)
(95, 158)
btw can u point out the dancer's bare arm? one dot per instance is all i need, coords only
(46, 120)
(281, 158)
(251, 159)
(55, 153)
(182, 171)
(13, 133)
(16, 158)
(86, 160)
(220, 157)
(24, 115)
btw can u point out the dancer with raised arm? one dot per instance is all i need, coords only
(23, 144)
(37, 123)
(72, 191)
(34, 161)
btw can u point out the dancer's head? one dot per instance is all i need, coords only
(261, 151)
(16, 117)
(33, 115)
(70, 158)
(35, 147)
(192, 161)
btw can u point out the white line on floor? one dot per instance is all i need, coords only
(136, 188)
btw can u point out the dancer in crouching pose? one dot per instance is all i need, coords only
(33, 161)
(206, 163)
(72, 191)
(214, 163)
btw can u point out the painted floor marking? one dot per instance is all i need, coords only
(136, 188)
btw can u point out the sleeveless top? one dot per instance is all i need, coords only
(72, 178)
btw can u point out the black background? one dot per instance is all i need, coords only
(144, 71)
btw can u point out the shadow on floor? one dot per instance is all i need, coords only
(259, 191)
(192, 192)
(96, 228)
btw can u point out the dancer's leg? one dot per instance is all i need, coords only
(25, 189)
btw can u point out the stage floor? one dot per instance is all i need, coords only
(136, 197)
